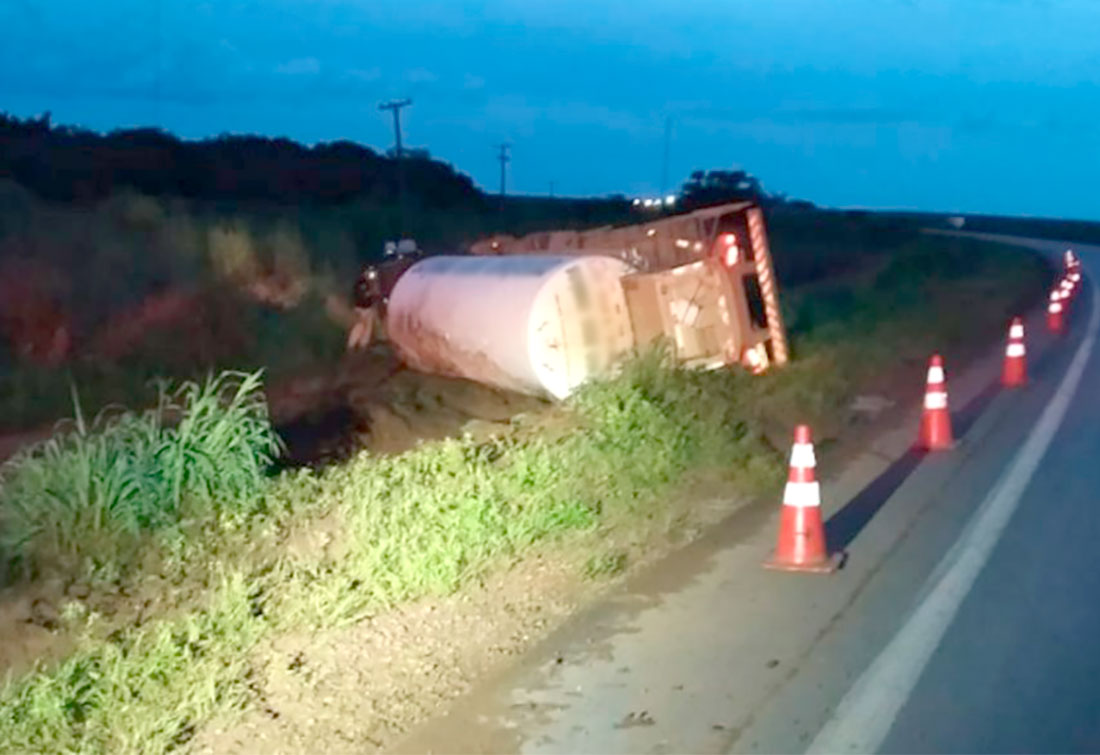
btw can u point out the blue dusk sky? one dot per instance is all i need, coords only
(970, 105)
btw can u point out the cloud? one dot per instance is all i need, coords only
(519, 116)
(473, 82)
(798, 113)
(421, 76)
(365, 74)
(299, 67)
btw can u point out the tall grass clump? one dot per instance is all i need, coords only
(93, 490)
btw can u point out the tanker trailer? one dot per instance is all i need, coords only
(732, 234)
(536, 324)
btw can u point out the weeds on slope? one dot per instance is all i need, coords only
(423, 523)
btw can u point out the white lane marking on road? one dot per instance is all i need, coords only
(867, 712)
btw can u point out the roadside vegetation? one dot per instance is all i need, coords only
(180, 505)
(129, 288)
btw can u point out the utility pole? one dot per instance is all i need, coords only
(395, 106)
(668, 149)
(504, 160)
(398, 153)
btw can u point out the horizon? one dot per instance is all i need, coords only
(381, 152)
(910, 105)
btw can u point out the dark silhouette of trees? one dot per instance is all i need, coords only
(72, 164)
(717, 186)
(712, 187)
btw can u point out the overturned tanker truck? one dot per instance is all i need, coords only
(543, 313)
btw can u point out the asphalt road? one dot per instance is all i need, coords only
(966, 619)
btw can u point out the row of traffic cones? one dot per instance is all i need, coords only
(801, 544)
(1063, 294)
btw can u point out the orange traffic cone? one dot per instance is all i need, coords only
(1071, 260)
(1067, 288)
(1056, 319)
(1015, 367)
(935, 423)
(801, 543)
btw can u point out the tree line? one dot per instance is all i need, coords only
(71, 164)
(710, 187)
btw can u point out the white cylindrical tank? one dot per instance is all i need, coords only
(529, 323)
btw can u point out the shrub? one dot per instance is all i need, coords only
(136, 211)
(232, 253)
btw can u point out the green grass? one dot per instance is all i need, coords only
(606, 565)
(313, 549)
